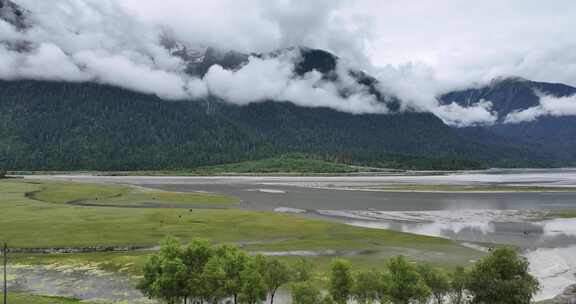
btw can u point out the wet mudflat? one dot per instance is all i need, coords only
(312, 193)
(86, 283)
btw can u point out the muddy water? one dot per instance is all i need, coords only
(520, 228)
(85, 283)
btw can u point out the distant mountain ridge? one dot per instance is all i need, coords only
(509, 94)
(74, 126)
(554, 136)
(48, 125)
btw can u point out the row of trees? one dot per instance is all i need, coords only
(500, 278)
(203, 273)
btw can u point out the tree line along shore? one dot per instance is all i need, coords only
(204, 273)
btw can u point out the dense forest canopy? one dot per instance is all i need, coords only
(73, 126)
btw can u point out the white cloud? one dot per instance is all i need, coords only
(197, 88)
(103, 41)
(120, 70)
(258, 80)
(472, 41)
(92, 40)
(440, 46)
(418, 87)
(456, 115)
(311, 91)
(259, 25)
(274, 79)
(549, 106)
(47, 62)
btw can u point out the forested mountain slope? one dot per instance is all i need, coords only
(68, 126)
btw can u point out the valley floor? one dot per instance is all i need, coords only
(108, 225)
(73, 217)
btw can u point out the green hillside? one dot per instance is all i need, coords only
(82, 126)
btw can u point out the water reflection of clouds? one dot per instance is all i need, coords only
(560, 226)
(429, 229)
(495, 201)
(559, 177)
(479, 216)
(550, 245)
(564, 177)
(510, 227)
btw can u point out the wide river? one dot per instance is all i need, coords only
(473, 218)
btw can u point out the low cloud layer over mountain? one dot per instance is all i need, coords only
(549, 106)
(120, 42)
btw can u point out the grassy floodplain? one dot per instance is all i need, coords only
(112, 195)
(38, 214)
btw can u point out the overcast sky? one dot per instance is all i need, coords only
(461, 40)
(416, 49)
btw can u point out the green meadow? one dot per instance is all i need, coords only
(45, 214)
(37, 214)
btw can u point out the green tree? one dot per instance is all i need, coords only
(234, 262)
(276, 274)
(502, 278)
(327, 299)
(170, 286)
(383, 290)
(437, 280)
(165, 275)
(2, 173)
(170, 249)
(406, 284)
(341, 280)
(260, 262)
(253, 288)
(458, 285)
(366, 287)
(211, 287)
(196, 256)
(152, 270)
(302, 270)
(306, 293)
